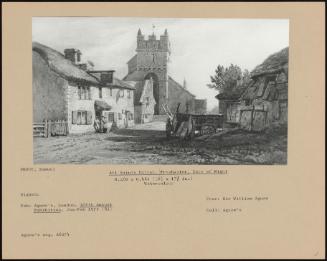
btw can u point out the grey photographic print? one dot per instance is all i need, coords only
(160, 91)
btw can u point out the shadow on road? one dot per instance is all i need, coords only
(134, 135)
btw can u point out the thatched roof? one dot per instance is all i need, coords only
(273, 64)
(62, 66)
(261, 87)
(233, 95)
(268, 91)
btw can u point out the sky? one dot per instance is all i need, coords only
(198, 45)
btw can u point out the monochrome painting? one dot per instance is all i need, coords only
(160, 91)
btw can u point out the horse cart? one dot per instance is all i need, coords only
(186, 126)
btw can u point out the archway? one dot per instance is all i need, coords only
(155, 90)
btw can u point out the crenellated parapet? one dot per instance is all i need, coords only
(152, 43)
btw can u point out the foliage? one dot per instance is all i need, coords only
(226, 79)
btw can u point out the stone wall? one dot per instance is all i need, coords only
(121, 101)
(75, 104)
(232, 112)
(177, 94)
(152, 60)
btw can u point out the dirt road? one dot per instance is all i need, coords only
(147, 144)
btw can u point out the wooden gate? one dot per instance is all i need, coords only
(50, 128)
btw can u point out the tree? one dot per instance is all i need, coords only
(225, 79)
(246, 77)
(218, 80)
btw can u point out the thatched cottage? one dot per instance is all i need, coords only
(267, 93)
(64, 89)
(265, 98)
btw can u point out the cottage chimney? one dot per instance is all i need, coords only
(184, 84)
(83, 66)
(90, 65)
(72, 54)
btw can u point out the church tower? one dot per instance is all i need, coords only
(152, 54)
(151, 61)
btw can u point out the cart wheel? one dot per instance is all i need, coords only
(208, 129)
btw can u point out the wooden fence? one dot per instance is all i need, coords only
(50, 128)
(253, 119)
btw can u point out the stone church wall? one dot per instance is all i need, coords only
(177, 94)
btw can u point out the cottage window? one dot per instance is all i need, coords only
(106, 77)
(84, 93)
(100, 93)
(121, 93)
(82, 117)
(129, 94)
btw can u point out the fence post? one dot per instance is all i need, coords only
(49, 128)
(252, 112)
(45, 129)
